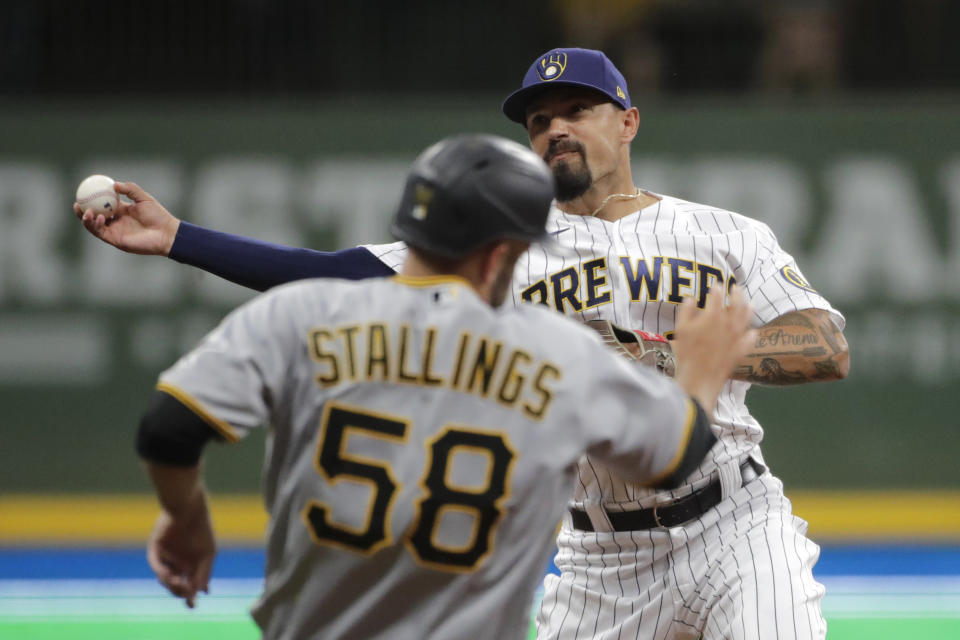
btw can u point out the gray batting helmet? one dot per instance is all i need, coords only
(468, 190)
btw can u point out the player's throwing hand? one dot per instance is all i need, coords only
(144, 226)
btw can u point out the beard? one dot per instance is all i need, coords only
(571, 182)
(571, 177)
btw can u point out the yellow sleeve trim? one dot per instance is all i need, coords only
(682, 448)
(429, 281)
(220, 426)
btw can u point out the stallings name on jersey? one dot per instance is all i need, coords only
(479, 365)
(657, 279)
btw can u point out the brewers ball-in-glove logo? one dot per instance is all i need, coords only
(793, 276)
(552, 67)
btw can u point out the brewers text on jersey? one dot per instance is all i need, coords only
(648, 279)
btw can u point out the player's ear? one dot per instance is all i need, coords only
(630, 119)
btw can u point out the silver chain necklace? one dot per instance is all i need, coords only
(619, 196)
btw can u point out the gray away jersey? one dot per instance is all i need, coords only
(421, 448)
(635, 272)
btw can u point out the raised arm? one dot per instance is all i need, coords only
(145, 227)
(261, 265)
(798, 347)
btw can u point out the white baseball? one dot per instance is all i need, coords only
(96, 192)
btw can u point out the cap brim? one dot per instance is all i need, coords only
(515, 106)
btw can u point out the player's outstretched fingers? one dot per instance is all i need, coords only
(717, 300)
(739, 310)
(736, 298)
(736, 320)
(687, 311)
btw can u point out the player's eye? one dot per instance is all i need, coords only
(537, 121)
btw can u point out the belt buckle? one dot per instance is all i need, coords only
(656, 516)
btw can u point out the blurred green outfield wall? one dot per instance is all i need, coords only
(867, 197)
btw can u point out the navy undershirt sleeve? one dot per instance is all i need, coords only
(261, 265)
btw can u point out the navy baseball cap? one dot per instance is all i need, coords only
(587, 68)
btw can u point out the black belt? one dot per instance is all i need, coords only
(674, 514)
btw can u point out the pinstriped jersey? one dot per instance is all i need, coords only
(635, 272)
(422, 447)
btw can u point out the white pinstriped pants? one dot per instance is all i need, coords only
(743, 571)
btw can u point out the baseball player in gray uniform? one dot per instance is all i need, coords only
(722, 556)
(422, 441)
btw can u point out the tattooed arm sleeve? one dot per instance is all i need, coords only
(798, 347)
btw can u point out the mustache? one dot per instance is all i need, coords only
(559, 146)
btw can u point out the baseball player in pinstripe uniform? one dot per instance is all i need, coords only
(721, 556)
(422, 442)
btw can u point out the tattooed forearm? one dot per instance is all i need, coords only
(809, 352)
(827, 370)
(786, 338)
(771, 372)
(798, 347)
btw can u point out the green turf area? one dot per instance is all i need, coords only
(890, 628)
(839, 629)
(128, 630)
